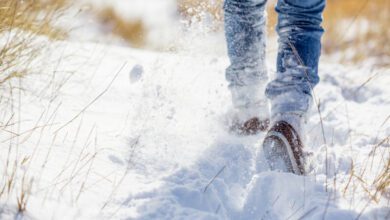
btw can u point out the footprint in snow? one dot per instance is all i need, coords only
(136, 73)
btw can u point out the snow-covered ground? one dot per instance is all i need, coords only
(119, 133)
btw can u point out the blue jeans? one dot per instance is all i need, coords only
(299, 30)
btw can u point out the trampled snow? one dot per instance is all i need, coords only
(119, 133)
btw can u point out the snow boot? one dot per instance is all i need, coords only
(252, 126)
(283, 149)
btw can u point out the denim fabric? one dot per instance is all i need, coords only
(247, 76)
(299, 29)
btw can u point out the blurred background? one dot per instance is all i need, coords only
(356, 30)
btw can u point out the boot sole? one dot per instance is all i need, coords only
(278, 151)
(275, 150)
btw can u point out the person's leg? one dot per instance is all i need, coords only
(247, 75)
(299, 29)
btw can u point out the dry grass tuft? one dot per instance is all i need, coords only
(382, 182)
(359, 28)
(374, 182)
(20, 24)
(197, 9)
(34, 16)
(133, 32)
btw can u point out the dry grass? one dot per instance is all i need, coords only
(131, 31)
(20, 24)
(382, 182)
(375, 184)
(34, 16)
(197, 9)
(370, 19)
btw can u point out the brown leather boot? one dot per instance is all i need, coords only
(283, 149)
(251, 127)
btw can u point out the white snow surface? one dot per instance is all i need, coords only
(111, 132)
(152, 145)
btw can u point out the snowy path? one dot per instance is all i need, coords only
(153, 145)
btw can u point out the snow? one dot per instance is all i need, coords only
(112, 132)
(136, 73)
